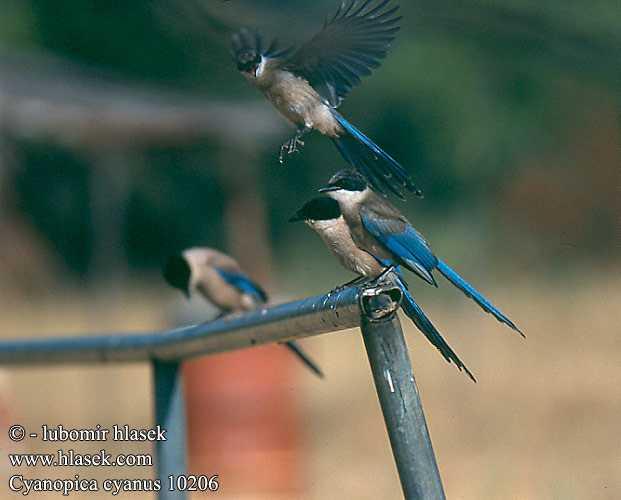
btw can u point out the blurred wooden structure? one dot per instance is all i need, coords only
(110, 120)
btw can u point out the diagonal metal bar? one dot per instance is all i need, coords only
(372, 307)
(322, 314)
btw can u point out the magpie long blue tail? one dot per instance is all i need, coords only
(299, 352)
(465, 287)
(377, 166)
(415, 313)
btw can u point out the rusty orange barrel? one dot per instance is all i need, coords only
(243, 422)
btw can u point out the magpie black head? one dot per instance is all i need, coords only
(177, 273)
(248, 60)
(321, 208)
(246, 51)
(348, 180)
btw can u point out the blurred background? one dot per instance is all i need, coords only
(127, 134)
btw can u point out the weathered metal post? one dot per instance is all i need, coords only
(169, 415)
(399, 398)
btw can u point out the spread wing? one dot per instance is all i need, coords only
(397, 235)
(242, 43)
(347, 48)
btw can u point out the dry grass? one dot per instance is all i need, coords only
(542, 423)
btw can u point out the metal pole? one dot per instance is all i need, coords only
(402, 408)
(327, 313)
(169, 415)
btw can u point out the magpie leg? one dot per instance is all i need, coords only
(385, 272)
(291, 146)
(220, 315)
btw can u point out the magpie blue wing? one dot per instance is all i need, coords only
(395, 234)
(243, 282)
(348, 47)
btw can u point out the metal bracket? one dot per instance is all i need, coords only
(379, 302)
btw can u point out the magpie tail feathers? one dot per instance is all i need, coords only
(378, 167)
(469, 291)
(418, 317)
(305, 358)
